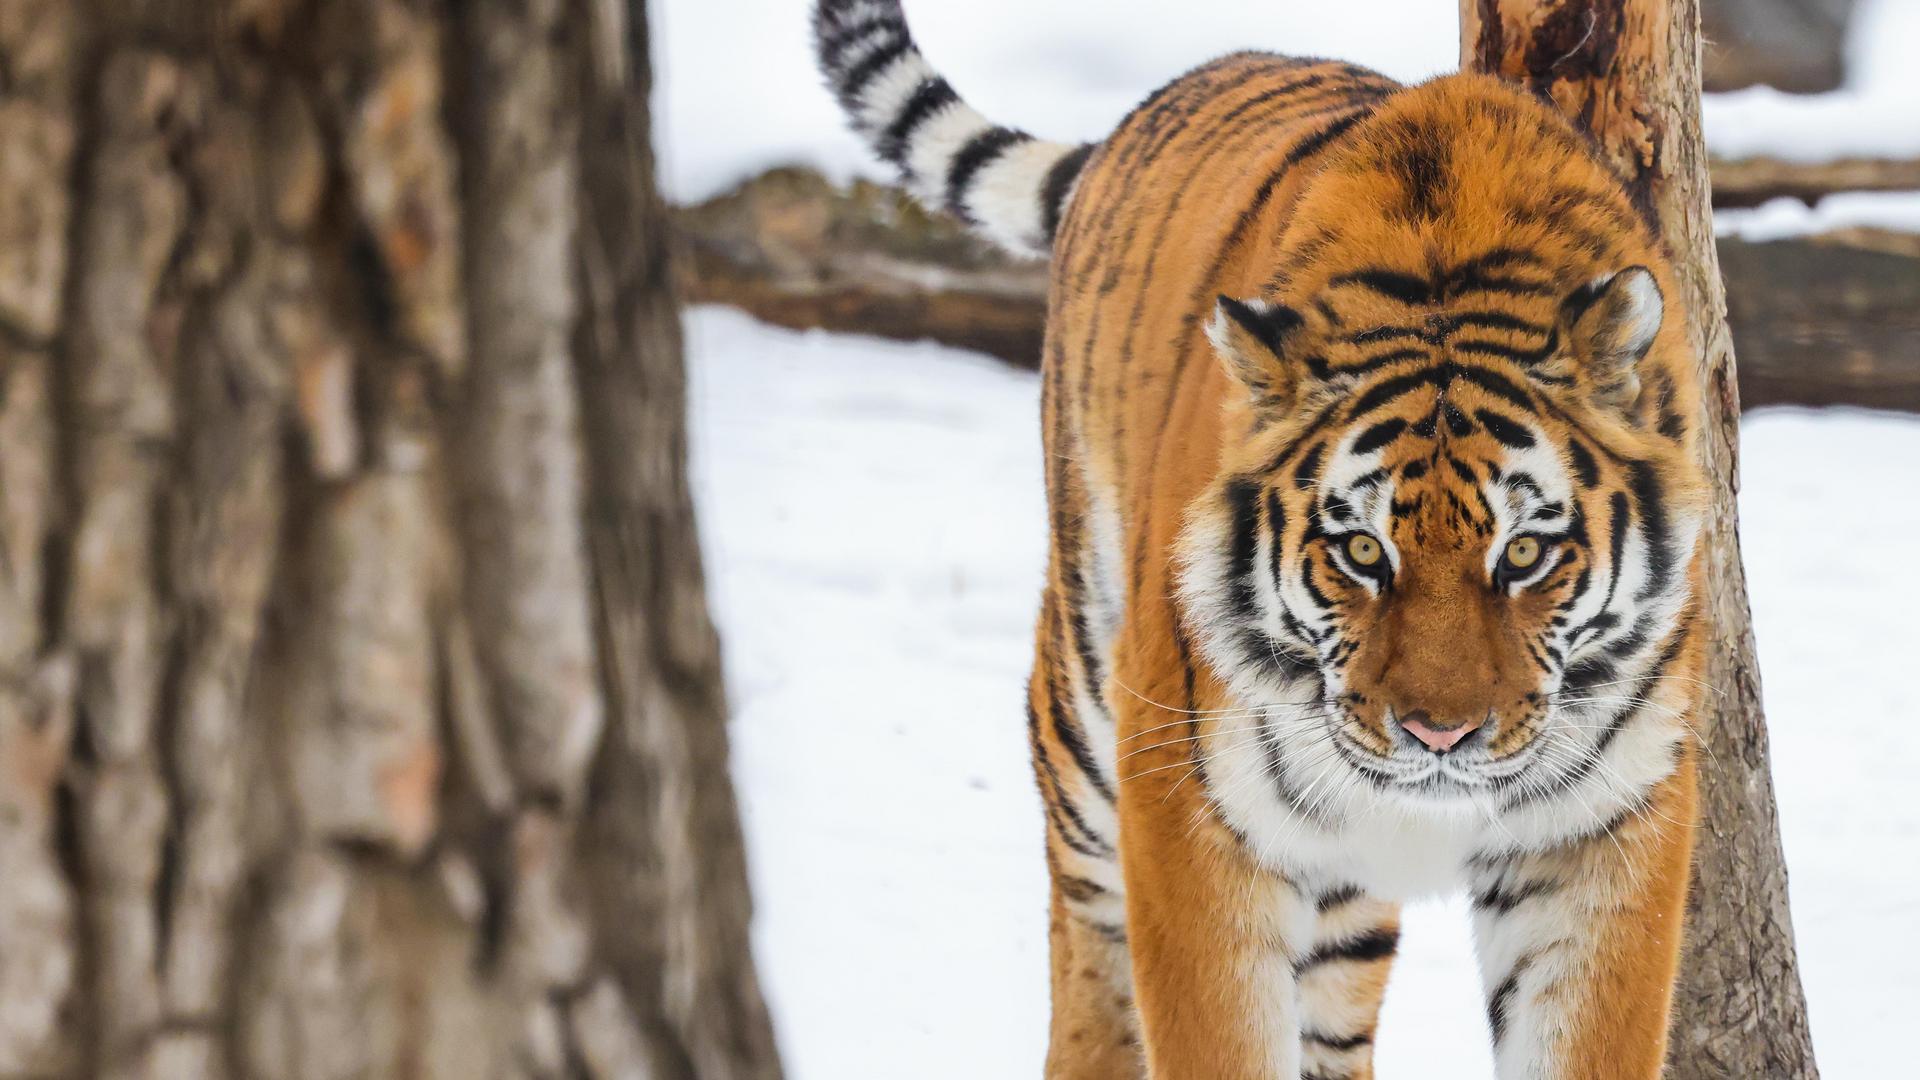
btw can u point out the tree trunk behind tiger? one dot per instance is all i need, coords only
(1629, 72)
(360, 713)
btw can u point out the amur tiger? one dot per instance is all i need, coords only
(1370, 449)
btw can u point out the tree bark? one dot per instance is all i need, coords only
(1629, 71)
(360, 712)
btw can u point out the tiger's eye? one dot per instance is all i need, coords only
(1364, 550)
(1523, 552)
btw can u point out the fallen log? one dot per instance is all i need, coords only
(794, 250)
(1739, 182)
(1825, 320)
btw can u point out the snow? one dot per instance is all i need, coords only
(875, 527)
(1778, 219)
(737, 91)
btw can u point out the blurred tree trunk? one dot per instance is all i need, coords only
(1629, 70)
(360, 712)
(1795, 45)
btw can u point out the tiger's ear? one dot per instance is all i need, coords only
(1251, 337)
(1612, 322)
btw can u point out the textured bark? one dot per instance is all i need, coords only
(360, 714)
(1630, 71)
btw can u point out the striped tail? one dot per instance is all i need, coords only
(1008, 184)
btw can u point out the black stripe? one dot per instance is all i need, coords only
(1090, 849)
(1313, 144)
(1243, 503)
(1340, 897)
(1524, 483)
(832, 43)
(1502, 999)
(1584, 466)
(1391, 333)
(1313, 591)
(1514, 284)
(1504, 900)
(1617, 544)
(1078, 888)
(980, 151)
(1060, 810)
(1375, 363)
(1493, 320)
(1506, 431)
(892, 144)
(1634, 641)
(1309, 468)
(1406, 288)
(1653, 517)
(1523, 357)
(1269, 324)
(1059, 182)
(1249, 104)
(1498, 385)
(1391, 389)
(1276, 540)
(1067, 729)
(1367, 480)
(1376, 944)
(1340, 1043)
(1379, 435)
(1272, 93)
(1498, 259)
(854, 81)
(1090, 662)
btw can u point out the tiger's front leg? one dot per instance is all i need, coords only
(1580, 946)
(1214, 937)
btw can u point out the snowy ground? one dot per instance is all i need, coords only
(874, 519)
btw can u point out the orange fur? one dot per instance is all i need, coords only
(1258, 177)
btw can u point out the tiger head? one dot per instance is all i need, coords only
(1458, 496)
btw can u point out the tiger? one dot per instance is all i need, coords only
(1371, 440)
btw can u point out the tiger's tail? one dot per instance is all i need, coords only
(1003, 181)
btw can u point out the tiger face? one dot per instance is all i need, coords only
(1456, 517)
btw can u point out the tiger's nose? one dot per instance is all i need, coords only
(1435, 738)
